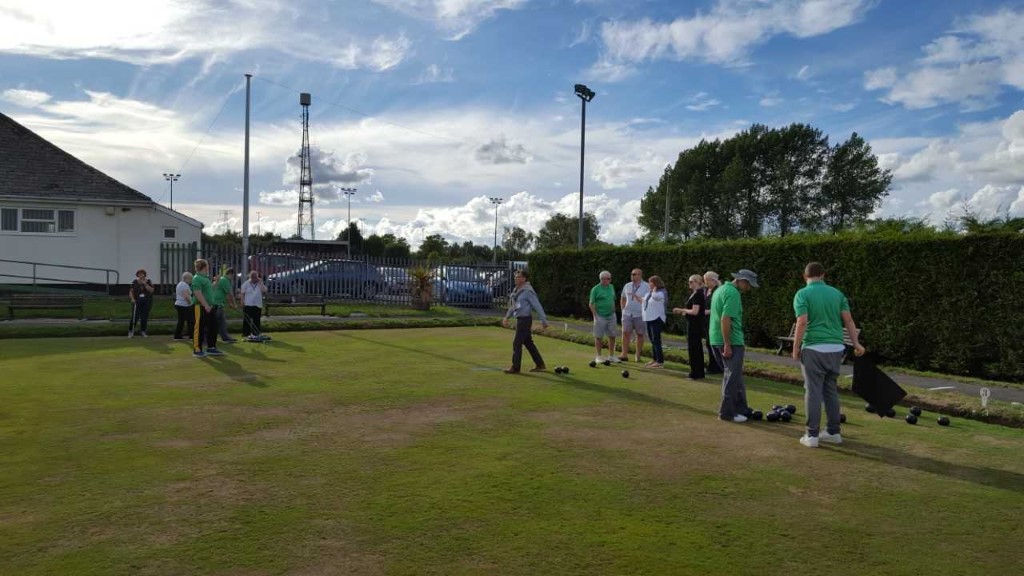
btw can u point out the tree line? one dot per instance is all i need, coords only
(765, 182)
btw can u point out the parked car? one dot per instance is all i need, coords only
(461, 285)
(275, 262)
(396, 280)
(345, 278)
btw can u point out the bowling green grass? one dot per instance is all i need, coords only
(408, 452)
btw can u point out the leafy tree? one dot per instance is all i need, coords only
(354, 236)
(374, 246)
(433, 244)
(561, 231)
(854, 185)
(517, 242)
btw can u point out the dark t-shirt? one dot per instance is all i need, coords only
(138, 289)
(696, 324)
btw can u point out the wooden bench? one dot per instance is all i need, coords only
(45, 302)
(786, 342)
(291, 300)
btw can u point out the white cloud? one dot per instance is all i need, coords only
(616, 172)
(168, 31)
(435, 74)
(24, 98)
(804, 73)
(702, 102)
(376, 198)
(943, 202)
(328, 170)
(501, 151)
(969, 66)
(923, 165)
(456, 18)
(771, 100)
(726, 34)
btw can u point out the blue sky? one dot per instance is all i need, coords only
(429, 107)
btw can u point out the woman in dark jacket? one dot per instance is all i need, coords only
(696, 324)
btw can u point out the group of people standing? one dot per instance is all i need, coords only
(714, 317)
(644, 315)
(200, 302)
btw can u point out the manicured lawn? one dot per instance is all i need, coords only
(163, 308)
(407, 452)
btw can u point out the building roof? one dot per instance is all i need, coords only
(33, 168)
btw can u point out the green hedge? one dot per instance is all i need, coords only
(933, 302)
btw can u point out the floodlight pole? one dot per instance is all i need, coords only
(348, 231)
(585, 95)
(245, 182)
(172, 178)
(494, 251)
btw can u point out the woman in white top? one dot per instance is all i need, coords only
(183, 306)
(654, 316)
(252, 306)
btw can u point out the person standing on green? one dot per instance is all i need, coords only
(602, 306)
(224, 295)
(204, 329)
(726, 336)
(821, 314)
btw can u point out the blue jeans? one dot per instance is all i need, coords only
(654, 328)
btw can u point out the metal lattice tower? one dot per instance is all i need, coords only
(305, 175)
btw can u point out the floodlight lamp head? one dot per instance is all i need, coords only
(304, 99)
(584, 93)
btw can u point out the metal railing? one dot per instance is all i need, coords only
(36, 278)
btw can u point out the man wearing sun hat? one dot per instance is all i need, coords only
(726, 336)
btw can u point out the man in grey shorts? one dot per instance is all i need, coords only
(632, 302)
(602, 306)
(821, 314)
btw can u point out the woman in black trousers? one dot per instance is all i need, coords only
(695, 326)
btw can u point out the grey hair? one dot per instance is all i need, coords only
(186, 276)
(713, 276)
(604, 274)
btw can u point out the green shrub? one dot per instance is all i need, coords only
(936, 302)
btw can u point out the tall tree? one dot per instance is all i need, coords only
(354, 237)
(433, 246)
(854, 185)
(561, 231)
(517, 242)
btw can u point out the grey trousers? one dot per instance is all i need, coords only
(821, 371)
(734, 391)
(524, 337)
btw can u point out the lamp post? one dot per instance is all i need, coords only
(172, 178)
(348, 231)
(585, 95)
(494, 251)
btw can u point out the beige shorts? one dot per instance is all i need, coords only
(605, 326)
(631, 324)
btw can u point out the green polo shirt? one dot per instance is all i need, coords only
(824, 307)
(201, 283)
(603, 299)
(726, 301)
(221, 290)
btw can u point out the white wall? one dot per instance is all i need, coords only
(112, 237)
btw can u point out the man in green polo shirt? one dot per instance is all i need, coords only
(726, 336)
(602, 306)
(821, 313)
(205, 326)
(223, 295)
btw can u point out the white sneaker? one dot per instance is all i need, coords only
(598, 359)
(131, 333)
(809, 441)
(739, 418)
(614, 359)
(831, 438)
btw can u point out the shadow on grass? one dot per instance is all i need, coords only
(991, 477)
(994, 478)
(627, 394)
(236, 372)
(410, 349)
